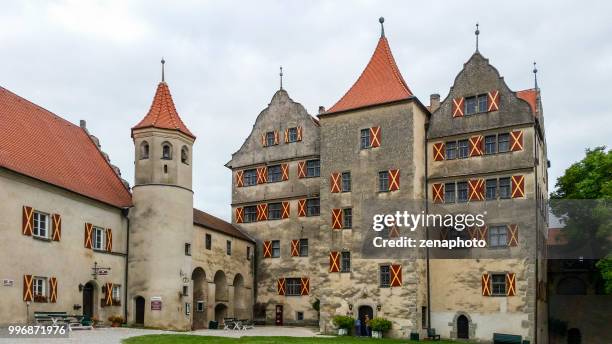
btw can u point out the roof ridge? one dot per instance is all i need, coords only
(394, 66)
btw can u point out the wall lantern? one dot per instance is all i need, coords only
(81, 286)
(350, 306)
(378, 307)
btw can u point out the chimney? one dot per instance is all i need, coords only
(83, 124)
(321, 109)
(434, 102)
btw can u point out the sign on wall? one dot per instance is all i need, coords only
(156, 303)
(8, 282)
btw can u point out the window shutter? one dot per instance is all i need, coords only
(476, 145)
(439, 151)
(334, 182)
(53, 289)
(513, 235)
(262, 212)
(276, 137)
(518, 186)
(476, 189)
(109, 240)
(267, 249)
(443, 233)
(264, 141)
(299, 133)
(336, 218)
(56, 227)
(287, 135)
(396, 275)
(516, 140)
(438, 192)
(394, 180)
(88, 235)
(240, 178)
(280, 286)
(239, 215)
(375, 137)
(510, 284)
(262, 175)
(473, 232)
(304, 286)
(28, 288)
(334, 261)
(301, 207)
(286, 210)
(108, 294)
(485, 283)
(27, 220)
(301, 169)
(458, 107)
(294, 248)
(493, 100)
(285, 172)
(483, 233)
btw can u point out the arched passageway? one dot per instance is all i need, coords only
(200, 299)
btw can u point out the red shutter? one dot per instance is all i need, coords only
(108, 294)
(287, 135)
(109, 240)
(510, 284)
(262, 212)
(267, 249)
(264, 141)
(516, 140)
(493, 100)
(28, 288)
(476, 189)
(304, 286)
(286, 210)
(280, 286)
(375, 137)
(473, 232)
(301, 207)
(27, 220)
(52, 289)
(295, 251)
(485, 283)
(483, 233)
(439, 151)
(396, 275)
(458, 107)
(240, 178)
(276, 137)
(394, 232)
(443, 233)
(438, 192)
(336, 218)
(476, 146)
(88, 235)
(262, 175)
(299, 133)
(513, 235)
(285, 172)
(394, 180)
(334, 182)
(518, 186)
(301, 169)
(56, 227)
(239, 215)
(334, 261)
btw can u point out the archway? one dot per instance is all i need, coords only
(463, 327)
(220, 287)
(363, 311)
(220, 313)
(574, 336)
(139, 310)
(200, 298)
(90, 290)
(240, 298)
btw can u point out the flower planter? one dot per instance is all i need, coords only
(377, 334)
(342, 332)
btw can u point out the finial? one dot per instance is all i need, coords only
(535, 75)
(281, 77)
(477, 32)
(381, 20)
(163, 62)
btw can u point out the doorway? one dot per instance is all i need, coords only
(88, 300)
(140, 310)
(463, 327)
(574, 336)
(363, 311)
(279, 315)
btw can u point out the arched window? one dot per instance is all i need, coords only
(144, 150)
(185, 155)
(166, 151)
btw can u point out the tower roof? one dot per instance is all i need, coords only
(162, 113)
(380, 82)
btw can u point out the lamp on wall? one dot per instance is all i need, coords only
(81, 286)
(378, 307)
(350, 306)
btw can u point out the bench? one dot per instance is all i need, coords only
(502, 338)
(42, 317)
(431, 334)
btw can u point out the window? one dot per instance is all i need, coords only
(451, 150)
(270, 138)
(116, 293)
(346, 181)
(498, 282)
(187, 249)
(187, 308)
(248, 253)
(144, 150)
(313, 168)
(491, 189)
(383, 181)
(299, 316)
(200, 306)
(365, 138)
(41, 225)
(424, 317)
(462, 192)
(185, 155)
(303, 248)
(39, 285)
(249, 177)
(275, 248)
(166, 151)
(208, 241)
(498, 236)
(490, 144)
(449, 193)
(504, 187)
(312, 207)
(345, 262)
(483, 103)
(347, 218)
(503, 143)
(228, 247)
(294, 286)
(385, 276)
(463, 149)
(470, 105)
(98, 238)
(274, 173)
(292, 134)
(274, 211)
(250, 214)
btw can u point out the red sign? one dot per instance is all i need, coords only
(156, 304)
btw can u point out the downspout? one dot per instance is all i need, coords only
(427, 231)
(125, 212)
(537, 222)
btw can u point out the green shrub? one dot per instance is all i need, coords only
(380, 324)
(343, 321)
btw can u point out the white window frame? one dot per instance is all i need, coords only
(41, 282)
(101, 232)
(116, 292)
(200, 306)
(36, 218)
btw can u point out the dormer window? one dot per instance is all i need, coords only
(185, 155)
(144, 150)
(476, 104)
(166, 151)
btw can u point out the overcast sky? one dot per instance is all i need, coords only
(99, 61)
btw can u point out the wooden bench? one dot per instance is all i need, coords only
(42, 317)
(502, 338)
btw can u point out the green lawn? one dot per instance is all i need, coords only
(192, 339)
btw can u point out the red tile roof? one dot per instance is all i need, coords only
(42, 145)
(530, 96)
(206, 220)
(380, 82)
(163, 113)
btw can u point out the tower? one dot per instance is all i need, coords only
(161, 222)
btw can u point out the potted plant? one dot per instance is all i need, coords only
(95, 321)
(344, 323)
(115, 320)
(379, 325)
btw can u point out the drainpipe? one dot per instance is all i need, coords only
(427, 232)
(537, 223)
(125, 212)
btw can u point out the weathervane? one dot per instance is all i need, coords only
(535, 75)
(281, 77)
(477, 32)
(381, 20)
(163, 62)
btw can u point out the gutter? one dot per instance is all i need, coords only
(125, 212)
(427, 233)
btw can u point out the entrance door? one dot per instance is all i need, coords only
(88, 300)
(279, 315)
(363, 311)
(140, 310)
(463, 327)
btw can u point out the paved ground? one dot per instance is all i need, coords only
(115, 335)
